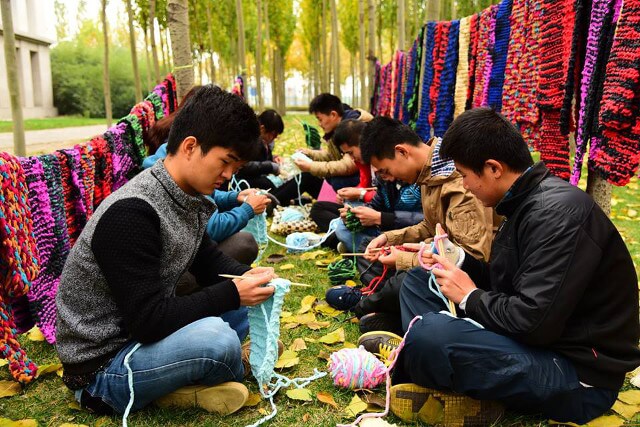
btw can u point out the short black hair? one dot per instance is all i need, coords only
(217, 118)
(325, 103)
(382, 134)
(348, 132)
(480, 134)
(271, 121)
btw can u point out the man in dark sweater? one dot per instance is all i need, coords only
(119, 321)
(558, 299)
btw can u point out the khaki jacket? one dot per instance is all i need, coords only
(331, 162)
(444, 200)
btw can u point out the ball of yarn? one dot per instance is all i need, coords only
(290, 215)
(341, 271)
(356, 368)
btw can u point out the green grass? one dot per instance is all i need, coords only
(52, 123)
(49, 402)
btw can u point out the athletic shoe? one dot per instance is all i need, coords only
(224, 399)
(381, 322)
(380, 343)
(343, 297)
(246, 352)
(412, 403)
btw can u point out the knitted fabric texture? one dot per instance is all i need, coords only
(439, 54)
(420, 80)
(413, 84)
(103, 169)
(409, 100)
(619, 119)
(462, 70)
(19, 261)
(122, 156)
(474, 37)
(484, 63)
(73, 191)
(502, 32)
(445, 106)
(423, 128)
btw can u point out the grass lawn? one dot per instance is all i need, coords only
(49, 402)
(52, 123)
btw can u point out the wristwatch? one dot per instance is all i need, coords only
(362, 194)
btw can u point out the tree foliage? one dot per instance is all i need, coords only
(348, 17)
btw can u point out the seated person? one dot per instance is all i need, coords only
(118, 317)
(558, 301)
(340, 171)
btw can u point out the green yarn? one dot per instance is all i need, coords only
(341, 271)
(311, 136)
(352, 222)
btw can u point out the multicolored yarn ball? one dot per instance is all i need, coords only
(356, 368)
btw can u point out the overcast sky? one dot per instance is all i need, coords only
(92, 10)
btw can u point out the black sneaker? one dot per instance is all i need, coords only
(343, 297)
(381, 322)
(380, 343)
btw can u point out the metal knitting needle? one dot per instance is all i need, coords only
(233, 276)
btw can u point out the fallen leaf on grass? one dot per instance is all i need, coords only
(253, 400)
(300, 394)
(636, 380)
(322, 263)
(306, 417)
(287, 359)
(309, 339)
(306, 304)
(312, 255)
(263, 411)
(47, 369)
(30, 422)
(355, 406)
(563, 423)
(323, 355)
(298, 344)
(318, 325)
(333, 337)
(74, 406)
(287, 267)
(300, 318)
(327, 398)
(630, 397)
(291, 325)
(34, 334)
(285, 314)
(432, 412)
(73, 425)
(606, 421)
(3, 362)
(625, 410)
(632, 213)
(275, 258)
(9, 388)
(376, 399)
(350, 283)
(60, 372)
(327, 310)
(101, 421)
(349, 345)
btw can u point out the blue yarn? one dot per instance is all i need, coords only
(332, 229)
(446, 104)
(300, 242)
(290, 215)
(132, 395)
(411, 69)
(501, 46)
(399, 73)
(423, 128)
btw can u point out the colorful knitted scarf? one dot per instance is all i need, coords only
(474, 37)
(502, 32)
(445, 106)
(410, 72)
(484, 61)
(74, 191)
(462, 70)
(103, 169)
(19, 261)
(122, 155)
(413, 83)
(423, 128)
(439, 53)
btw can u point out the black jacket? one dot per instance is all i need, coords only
(560, 277)
(263, 165)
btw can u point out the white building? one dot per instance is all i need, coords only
(33, 24)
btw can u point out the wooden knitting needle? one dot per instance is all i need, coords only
(440, 232)
(233, 276)
(361, 253)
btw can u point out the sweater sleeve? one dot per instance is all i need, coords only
(206, 271)
(225, 200)
(223, 224)
(127, 246)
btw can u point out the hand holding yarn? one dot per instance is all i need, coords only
(258, 202)
(454, 283)
(376, 243)
(368, 217)
(250, 287)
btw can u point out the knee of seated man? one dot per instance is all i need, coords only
(246, 243)
(212, 337)
(433, 333)
(416, 281)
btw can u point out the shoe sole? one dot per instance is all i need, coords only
(366, 335)
(224, 399)
(411, 403)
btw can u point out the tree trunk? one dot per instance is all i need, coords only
(352, 70)
(167, 40)
(146, 51)
(165, 62)
(600, 190)
(401, 24)
(379, 29)
(433, 10)
(267, 39)
(210, 32)
(335, 48)
(372, 50)
(178, 20)
(324, 83)
(19, 147)
(106, 84)
(242, 62)
(281, 80)
(134, 54)
(152, 36)
(259, 57)
(363, 83)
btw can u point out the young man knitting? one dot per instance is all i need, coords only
(118, 317)
(558, 302)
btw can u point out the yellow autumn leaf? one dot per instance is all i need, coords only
(606, 421)
(632, 213)
(9, 388)
(312, 255)
(318, 325)
(309, 339)
(286, 267)
(350, 283)
(300, 394)
(326, 309)
(298, 344)
(101, 421)
(306, 417)
(73, 425)
(34, 334)
(60, 372)
(562, 423)
(355, 406)
(263, 411)
(349, 345)
(333, 337)
(630, 397)
(74, 406)
(253, 400)
(47, 369)
(323, 355)
(625, 410)
(306, 304)
(323, 263)
(292, 325)
(29, 422)
(284, 314)
(3, 362)
(327, 398)
(287, 359)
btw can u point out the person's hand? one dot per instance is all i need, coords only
(376, 243)
(279, 160)
(367, 216)
(261, 270)
(251, 289)
(454, 283)
(343, 212)
(350, 193)
(245, 193)
(303, 165)
(339, 199)
(304, 151)
(451, 251)
(258, 202)
(389, 257)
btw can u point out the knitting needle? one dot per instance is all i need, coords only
(439, 232)
(233, 276)
(362, 253)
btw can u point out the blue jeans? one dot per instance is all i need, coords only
(204, 352)
(338, 182)
(447, 353)
(344, 235)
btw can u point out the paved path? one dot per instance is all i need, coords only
(48, 140)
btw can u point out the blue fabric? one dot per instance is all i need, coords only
(423, 128)
(501, 46)
(229, 218)
(447, 353)
(399, 89)
(204, 352)
(444, 109)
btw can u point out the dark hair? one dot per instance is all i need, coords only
(480, 134)
(382, 134)
(271, 121)
(348, 132)
(159, 132)
(217, 118)
(325, 103)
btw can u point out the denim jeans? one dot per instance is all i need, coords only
(447, 353)
(344, 235)
(204, 352)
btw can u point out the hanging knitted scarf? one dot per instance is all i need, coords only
(409, 84)
(397, 85)
(73, 191)
(19, 261)
(134, 129)
(87, 172)
(474, 37)
(462, 69)
(423, 128)
(375, 97)
(484, 64)
(413, 83)
(503, 30)
(619, 117)
(122, 155)
(596, 57)
(385, 92)
(420, 79)
(439, 53)
(103, 170)
(156, 101)
(445, 106)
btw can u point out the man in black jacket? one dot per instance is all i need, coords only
(558, 301)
